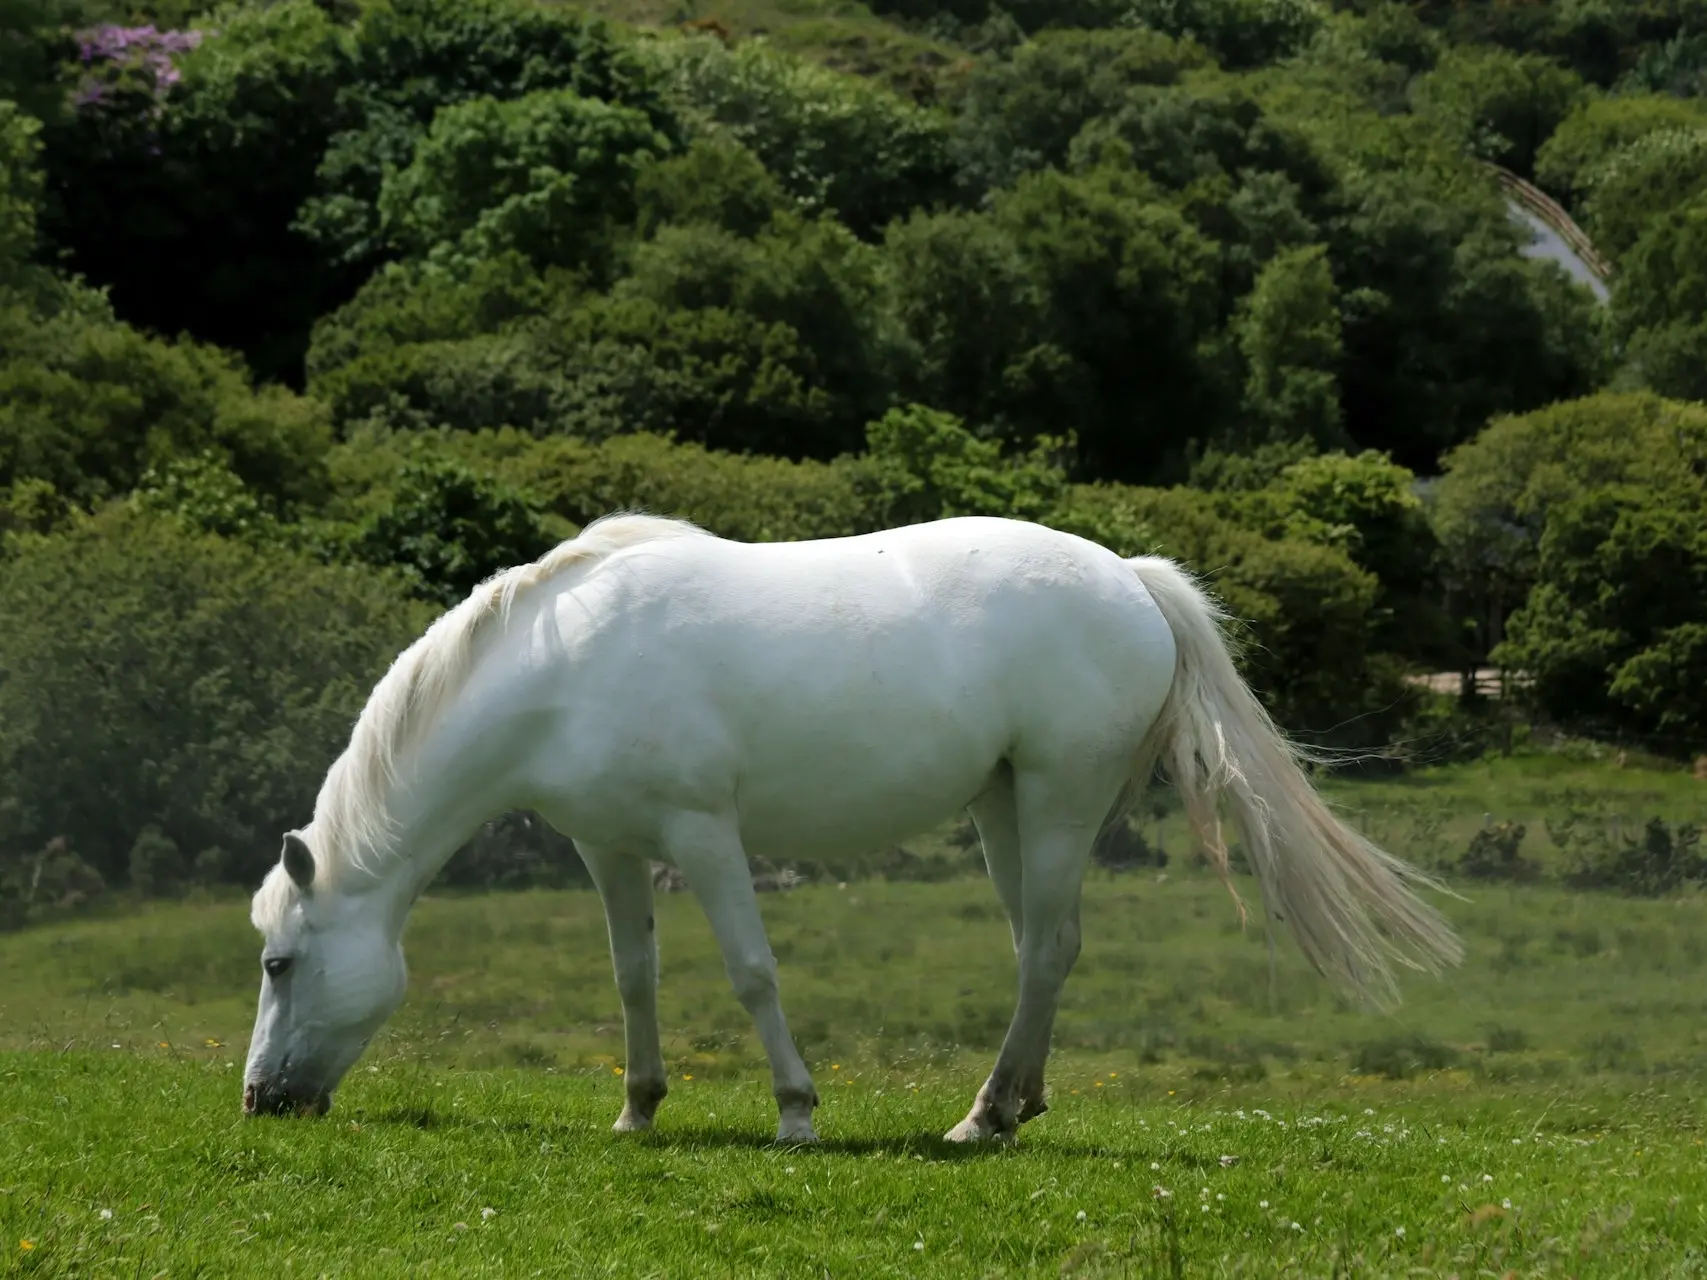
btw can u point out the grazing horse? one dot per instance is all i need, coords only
(658, 693)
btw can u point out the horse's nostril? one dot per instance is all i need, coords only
(249, 1099)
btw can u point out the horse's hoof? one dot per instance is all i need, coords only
(796, 1135)
(631, 1122)
(977, 1129)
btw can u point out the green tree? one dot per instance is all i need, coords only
(1289, 333)
(20, 192)
(1130, 292)
(1492, 508)
(1639, 184)
(1614, 634)
(922, 464)
(715, 182)
(87, 405)
(447, 529)
(837, 143)
(1500, 106)
(155, 675)
(549, 176)
(1021, 112)
(1570, 162)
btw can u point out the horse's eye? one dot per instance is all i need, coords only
(276, 966)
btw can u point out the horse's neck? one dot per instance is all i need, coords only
(445, 790)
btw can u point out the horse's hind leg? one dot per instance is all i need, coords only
(625, 885)
(994, 814)
(1057, 825)
(708, 851)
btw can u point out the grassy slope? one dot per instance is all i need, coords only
(516, 1174)
(1562, 1062)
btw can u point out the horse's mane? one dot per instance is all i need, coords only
(352, 825)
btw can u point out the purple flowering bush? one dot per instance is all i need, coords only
(129, 66)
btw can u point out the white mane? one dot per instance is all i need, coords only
(352, 824)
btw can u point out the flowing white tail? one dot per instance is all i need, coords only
(1350, 905)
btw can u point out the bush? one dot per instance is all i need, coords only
(1600, 855)
(1570, 163)
(1500, 106)
(549, 176)
(837, 143)
(158, 676)
(1493, 855)
(88, 405)
(753, 499)
(1401, 1057)
(447, 529)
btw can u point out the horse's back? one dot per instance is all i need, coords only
(895, 669)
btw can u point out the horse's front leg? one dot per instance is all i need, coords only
(625, 884)
(708, 850)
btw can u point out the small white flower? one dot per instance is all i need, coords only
(1219, 1196)
(1162, 1193)
(1505, 1204)
(1400, 1232)
(1297, 1226)
(1369, 1111)
(1263, 1204)
(106, 1215)
(1154, 1165)
(918, 1246)
(1487, 1177)
(1446, 1177)
(488, 1214)
(1204, 1208)
(789, 1169)
(1081, 1214)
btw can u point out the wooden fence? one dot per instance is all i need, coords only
(1549, 211)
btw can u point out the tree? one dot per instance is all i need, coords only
(447, 529)
(837, 143)
(1614, 634)
(922, 464)
(155, 675)
(1500, 106)
(20, 192)
(1660, 172)
(1289, 333)
(549, 176)
(1492, 508)
(1571, 160)
(1021, 112)
(1129, 292)
(87, 405)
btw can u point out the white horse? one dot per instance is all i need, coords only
(659, 693)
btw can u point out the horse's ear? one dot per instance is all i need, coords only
(298, 861)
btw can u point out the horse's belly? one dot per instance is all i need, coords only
(846, 807)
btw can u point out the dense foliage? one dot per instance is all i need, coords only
(313, 313)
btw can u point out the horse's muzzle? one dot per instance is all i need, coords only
(260, 1099)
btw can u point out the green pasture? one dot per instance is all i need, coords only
(1535, 1113)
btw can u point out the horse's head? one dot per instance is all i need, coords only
(332, 972)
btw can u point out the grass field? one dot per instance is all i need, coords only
(1536, 1113)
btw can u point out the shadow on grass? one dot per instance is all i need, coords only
(925, 1146)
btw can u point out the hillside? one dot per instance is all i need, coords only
(404, 292)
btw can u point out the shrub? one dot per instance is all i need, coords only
(447, 529)
(1600, 854)
(155, 675)
(549, 176)
(1493, 855)
(1401, 1057)
(836, 142)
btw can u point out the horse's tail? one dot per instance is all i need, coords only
(1351, 906)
